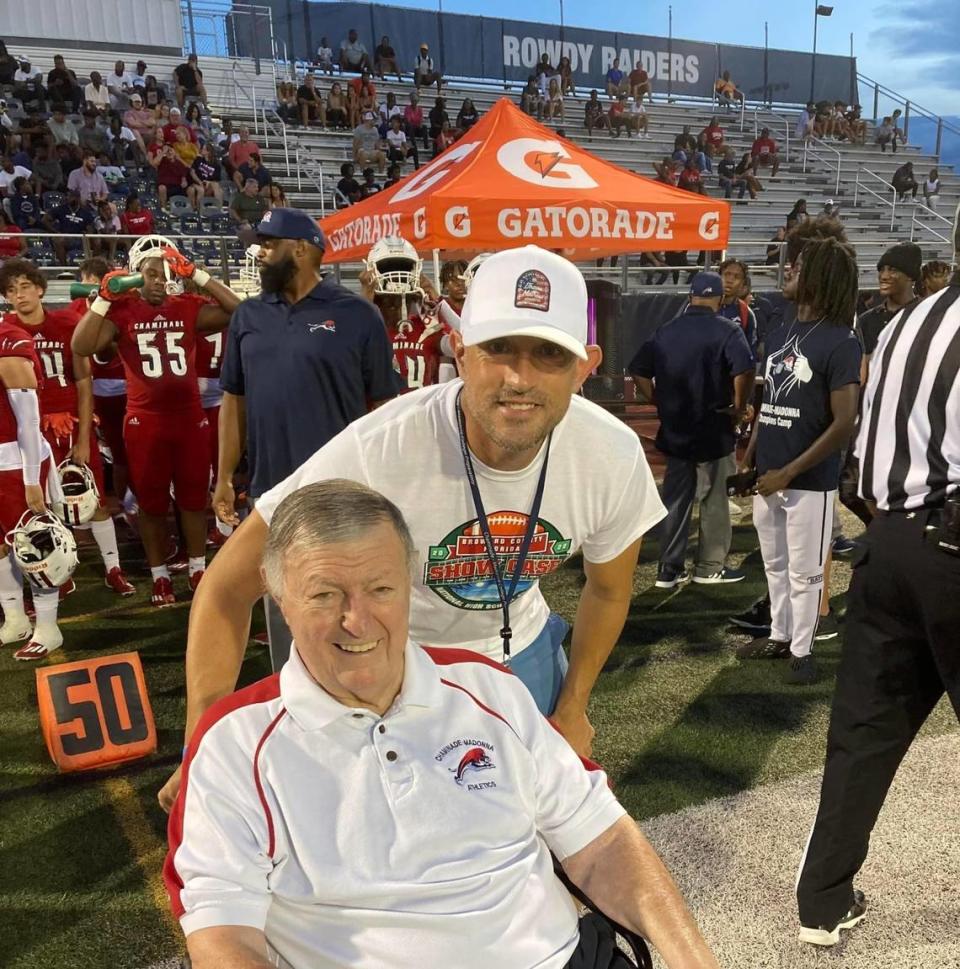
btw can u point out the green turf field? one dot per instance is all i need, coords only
(678, 721)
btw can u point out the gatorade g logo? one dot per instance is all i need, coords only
(436, 171)
(458, 568)
(542, 162)
(457, 221)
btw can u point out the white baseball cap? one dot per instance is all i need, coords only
(527, 292)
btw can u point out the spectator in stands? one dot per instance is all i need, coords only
(776, 244)
(798, 213)
(68, 158)
(309, 103)
(618, 116)
(886, 134)
(139, 119)
(531, 99)
(764, 152)
(249, 205)
(367, 144)
(189, 80)
(369, 186)
(32, 131)
(640, 84)
(9, 65)
(197, 123)
(96, 95)
(364, 97)
(348, 186)
(91, 136)
(565, 72)
(62, 85)
(136, 220)
(86, 181)
(227, 135)
(47, 174)
(897, 130)
(336, 110)
(639, 119)
(413, 121)
(393, 176)
(934, 276)
(114, 175)
(206, 173)
(107, 223)
(12, 241)
(593, 115)
(154, 94)
(140, 75)
(840, 128)
(445, 138)
(385, 59)
(252, 168)
(468, 115)
(172, 129)
(726, 91)
(438, 115)
(287, 106)
(25, 206)
(690, 178)
(70, 221)
(425, 71)
(398, 146)
(931, 189)
(554, 105)
(543, 67)
(186, 149)
(353, 55)
(387, 112)
(277, 196)
(904, 182)
(28, 86)
(120, 85)
(324, 56)
(64, 132)
(684, 145)
(124, 143)
(714, 144)
(617, 81)
(744, 170)
(241, 150)
(727, 176)
(806, 122)
(667, 171)
(9, 173)
(173, 177)
(856, 125)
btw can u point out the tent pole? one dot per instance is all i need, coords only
(436, 269)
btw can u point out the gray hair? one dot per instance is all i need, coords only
(325, 513)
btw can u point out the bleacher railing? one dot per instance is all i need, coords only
(815, 148)
(863, 183)
(773, 120)
(918, 225)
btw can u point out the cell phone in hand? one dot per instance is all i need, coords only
(742, 483)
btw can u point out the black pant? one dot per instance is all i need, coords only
(849, 487)
(900, 653)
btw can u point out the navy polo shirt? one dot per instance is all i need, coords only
(305, 371)
(693, 360)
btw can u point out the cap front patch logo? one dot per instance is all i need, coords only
(266, 216)
(533, 291)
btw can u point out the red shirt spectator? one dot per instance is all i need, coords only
(714, 134)
(9, 247)
(690, 179)
(638, 76)
(241, 150)
(358, 82)
(413, 115)
(139, 223)
(763, 147)
(170, 131)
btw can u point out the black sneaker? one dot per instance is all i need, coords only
(802, 671)
(843, 545)
(756, 619)
(827, 935)
(669, 578)
(828, 627)
(763, 648)
(724, 576)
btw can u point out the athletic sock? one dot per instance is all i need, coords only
(105, 533)
(196, 564)
(224, 529)
(46, 603)
(11, 587)
(159, 572)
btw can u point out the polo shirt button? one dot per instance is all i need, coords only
(382, 728)
(391, 755)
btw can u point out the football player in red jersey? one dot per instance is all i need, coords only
(66, 397)
(25, 472)
(165, 430)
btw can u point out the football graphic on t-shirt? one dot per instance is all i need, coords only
(786, 368)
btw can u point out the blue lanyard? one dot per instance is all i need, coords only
(506, 595)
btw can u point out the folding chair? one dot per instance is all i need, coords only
(180, 206)
(210, 208)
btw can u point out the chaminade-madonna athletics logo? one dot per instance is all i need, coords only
(459, 570)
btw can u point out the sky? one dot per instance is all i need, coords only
(911, 46)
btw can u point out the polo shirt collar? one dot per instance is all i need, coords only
(318, 292)
(315, 709)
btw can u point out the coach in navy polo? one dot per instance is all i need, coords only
(303, 360)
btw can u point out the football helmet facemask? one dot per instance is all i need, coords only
(396, 267)
(152, 247)
(81, 497)
(44, 549)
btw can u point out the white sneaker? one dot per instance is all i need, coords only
(16, 627)
(45, 640)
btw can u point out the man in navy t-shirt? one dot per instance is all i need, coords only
(699, 371)
(302, 361)
(810, 393)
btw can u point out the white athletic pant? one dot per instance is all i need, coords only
(795, 533)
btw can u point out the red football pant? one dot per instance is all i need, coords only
(172, 449)
(13, 498)
(213, 419)
(110, 412)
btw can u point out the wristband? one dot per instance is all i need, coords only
(201, 277)
(100, 306)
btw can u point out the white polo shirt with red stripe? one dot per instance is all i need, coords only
(418, 839)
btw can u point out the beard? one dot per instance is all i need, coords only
(276, 277)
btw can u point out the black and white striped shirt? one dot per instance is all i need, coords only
(909, 438)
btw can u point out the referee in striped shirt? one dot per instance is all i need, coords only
(903, 617)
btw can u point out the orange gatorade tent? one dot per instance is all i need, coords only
(510, 182)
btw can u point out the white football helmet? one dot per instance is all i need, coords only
(472, 268)
(151, 247)
(396, 267)
(81, 497)
(249, 283)
(44, 549)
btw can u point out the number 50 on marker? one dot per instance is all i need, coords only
(96, 713)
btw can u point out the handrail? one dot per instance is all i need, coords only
(807, 150)
(857, 186)
(306, 166)
(915, 221)
(779, 117)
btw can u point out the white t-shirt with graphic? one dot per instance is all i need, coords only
(599, 497)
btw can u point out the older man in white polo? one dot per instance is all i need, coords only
(380, 804)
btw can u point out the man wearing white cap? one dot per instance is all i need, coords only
(502, 476)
